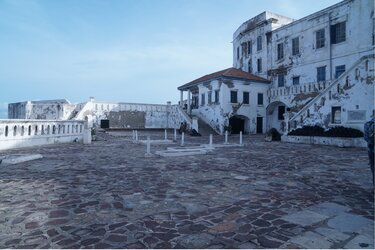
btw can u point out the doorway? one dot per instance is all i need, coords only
(104, 123)
(259, 125)
(237, 124)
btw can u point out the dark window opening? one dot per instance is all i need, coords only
(259, 64)
(237, 124)
(339, 70)
(260, 98)
(295, 46)
(280, 80)
(103, 124)
(336, 115)
(245, 97)
(203, 99)
(280, 51)
(281, 112)
(338, 33)
(320, 38)
(233, 96)
(259, 43)
(296, 80)
(217, 96)
(249, 48)
(321, 74)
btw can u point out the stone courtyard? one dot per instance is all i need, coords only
(261, 195)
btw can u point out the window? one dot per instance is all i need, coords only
(321, 74)
(280, 51)
(336, 115)
(250, 67)
(295, 46)
(244, 48)
(209, 97)
(260, 98)
(296, 80)
(339, 70)
(233, 96)
(217, 96)
(280, 80)
(249, 47)
(320, 38)
(259, 43)
(259, 64)
(195, 101)
(245, 98)
(203, 100)
(238, 53)
(281, 112)
(338, 33)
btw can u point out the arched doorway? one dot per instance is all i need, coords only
(237, 124)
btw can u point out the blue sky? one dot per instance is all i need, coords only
(120, 50)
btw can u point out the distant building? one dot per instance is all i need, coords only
(318, 70)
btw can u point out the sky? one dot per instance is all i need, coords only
(120, 50)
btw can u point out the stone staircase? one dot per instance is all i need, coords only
(205, 129)
(336, 87)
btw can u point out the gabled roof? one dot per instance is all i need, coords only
(232, 73)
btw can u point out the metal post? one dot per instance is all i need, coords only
(165, 135)
(240, 137)
(226, 137)
(136, 135)
(182, 139)
(210, 141)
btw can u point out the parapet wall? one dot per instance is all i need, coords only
(16, 133)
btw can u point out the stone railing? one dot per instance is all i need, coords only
(15, 133)
(298, 89)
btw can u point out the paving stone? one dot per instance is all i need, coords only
(360, 242)
(328, 209)
(90, 241)
(223, 227)
(332, 234)
(163, 245)
(349, 223)
(304, 218)
(195, 240)
(165, 236)
(268, 243)
(31, 225)
(247, 245)
(117, 225)
(261, 223)
(311, 240)
(57, 222)
(116, 238)
(103, 245)
(58, 213)
(98, 232)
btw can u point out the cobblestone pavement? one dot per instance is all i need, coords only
(261, 195)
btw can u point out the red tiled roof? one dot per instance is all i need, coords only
(230, 72)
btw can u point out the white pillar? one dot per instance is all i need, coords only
(87, 132)
(133, 135)
(189, 102)
(240, 137)
(181, 98)
(210, 141)
(175, 135)
(182, 139)
(226, 136)
(136, 135)
(148, 147)
(165, 135)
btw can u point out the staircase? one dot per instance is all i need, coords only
(205, 129)
(336, 86)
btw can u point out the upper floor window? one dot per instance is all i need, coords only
(296, 80)
(321, 74)
(203, 99)
(260, 98)
(259, 64)
(295, 46)
(249, 47)
(250, 66)
(217, 96)
(280, 80)
(280, 51)
(320, 38)
(338, 33)
(233, 96)
(259, 43)
(339, 70)
(245, 98)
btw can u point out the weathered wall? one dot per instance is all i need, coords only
(16, 133)
(217, 114)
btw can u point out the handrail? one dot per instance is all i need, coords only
(184, 114)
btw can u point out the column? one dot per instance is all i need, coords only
(181, 98)
(189, 102)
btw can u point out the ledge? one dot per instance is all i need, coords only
(343, 142)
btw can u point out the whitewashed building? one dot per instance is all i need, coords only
(320, 69)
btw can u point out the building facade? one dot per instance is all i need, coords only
(320, 67)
